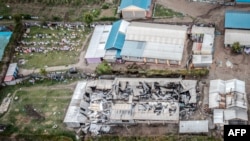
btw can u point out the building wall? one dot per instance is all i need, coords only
(133, 14)
(201, 65)
(150, 60)
(93, 60)
(133, 59)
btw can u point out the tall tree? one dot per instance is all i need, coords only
(88, 18)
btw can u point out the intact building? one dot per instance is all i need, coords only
(135, 9)
(237, 28)
(96, 49)
(154, 43)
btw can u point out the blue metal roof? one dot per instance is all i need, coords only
(133, 48)
(144, 4)
(4, 40)
(237, 19)
(242, 1)
(118, 53)
(116, 39)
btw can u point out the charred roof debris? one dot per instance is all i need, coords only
(98, 105)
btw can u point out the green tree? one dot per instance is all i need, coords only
(43, 72)
(236, 47)
(17, 19)
(103, 68)
(88, 18)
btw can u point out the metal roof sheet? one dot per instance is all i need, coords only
(159, 33)
(242, 1)
(218, 116)
(207, 44)
(11, 69)
(197, 126)
(96, 48)
(163, 51)
(234, 35)
(237, 19)
(202, 59)
(144, 4)
(4, 40)
(117, 35)
(202, 30)
(133, 48)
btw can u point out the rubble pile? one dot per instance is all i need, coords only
(108, 103)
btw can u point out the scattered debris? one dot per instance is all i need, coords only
(108, 103)
(5, 104)
(229, 64)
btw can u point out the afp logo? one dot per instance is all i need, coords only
(241, 132)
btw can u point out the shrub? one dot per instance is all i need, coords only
(103, 68)
(105, 6)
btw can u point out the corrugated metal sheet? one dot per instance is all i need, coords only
(235, 114)
(207, 44)
(197, 126)
(12, 69)
(242, 1)
(96, 48)
(202, 30)
(152, 50)
(117, 35)
(4, 40)
(217, 86)
(110, 55)
(235, 85)
(241, 36)
(214, 99)
(218, 116)
(133, 48)
(202, 60)
(163, 51)
(234, 90)
(144, 4)
(73, 116)
(237, 19)
(158, 33)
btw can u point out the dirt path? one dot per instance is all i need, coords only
(80, 64)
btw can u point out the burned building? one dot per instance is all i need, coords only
(130, 101)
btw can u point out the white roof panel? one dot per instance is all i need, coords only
(218, 116)
(234, 35)
(96, 48)
(163, 51)
(11, 69)
(159, 33)
(202, 30)
(197, 126)
(202, 59)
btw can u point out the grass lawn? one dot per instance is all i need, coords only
(46, 109)
(52, 59)
(51, 40)
(161, 11)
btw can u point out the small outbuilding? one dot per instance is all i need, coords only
(196, 126)
(135, 9)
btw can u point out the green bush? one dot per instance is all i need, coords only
(105, 6)
(103, 68)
